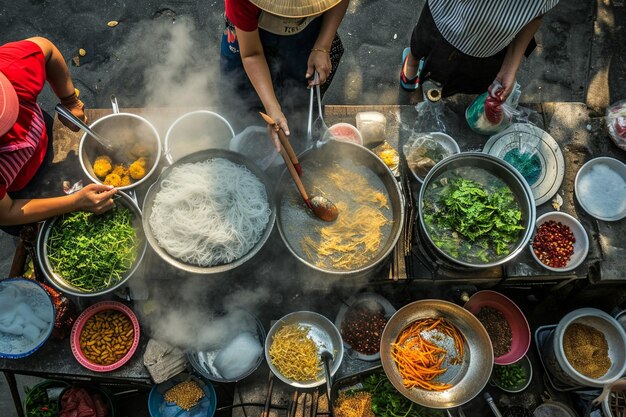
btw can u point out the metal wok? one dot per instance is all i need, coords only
(200, 157)
(467, 378)
(317, 161)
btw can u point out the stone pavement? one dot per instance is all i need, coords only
(165, 53)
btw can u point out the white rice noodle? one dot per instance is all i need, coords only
(209, 213)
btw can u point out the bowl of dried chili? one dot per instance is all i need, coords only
(560, 242)
(361, 321)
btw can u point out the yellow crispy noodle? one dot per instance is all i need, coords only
(295, 354)
(355, 405)
(355, 237)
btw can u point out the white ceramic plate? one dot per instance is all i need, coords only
(524, 138)
(600, 188)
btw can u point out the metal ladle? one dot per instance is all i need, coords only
(64, 112)
(326, 358)
(322, 207)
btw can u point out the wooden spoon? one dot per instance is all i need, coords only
(322, 207)
(284, 141)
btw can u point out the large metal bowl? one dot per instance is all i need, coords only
(202, 156)
(322, 159)
(325, 335)
(467, 378)
(42, 251)
(500, 169)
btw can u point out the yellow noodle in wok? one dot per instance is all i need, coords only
(355, 237)
(295, 354)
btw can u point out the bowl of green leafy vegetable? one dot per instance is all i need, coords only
(87, 255)
(476, 210)
(513, 378)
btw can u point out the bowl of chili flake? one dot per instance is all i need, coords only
(560, 243)
(361, 321)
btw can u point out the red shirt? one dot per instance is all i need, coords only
(243, 14)
(23, 148)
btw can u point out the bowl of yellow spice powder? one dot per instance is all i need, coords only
(588, 348)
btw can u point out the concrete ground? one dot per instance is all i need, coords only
(165, 53)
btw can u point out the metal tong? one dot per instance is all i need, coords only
(320, 117)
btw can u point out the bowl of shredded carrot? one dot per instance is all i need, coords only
(436, 353)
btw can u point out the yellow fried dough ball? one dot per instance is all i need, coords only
(102, 166)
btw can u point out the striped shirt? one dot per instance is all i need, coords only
(482, 28)
(14, 157)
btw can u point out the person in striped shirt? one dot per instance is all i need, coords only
(471, 46)
(24, 68)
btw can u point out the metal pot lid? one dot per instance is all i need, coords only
(600, 188)
(535, 154)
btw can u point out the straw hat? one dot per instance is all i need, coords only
(9, 105)
(295, 8)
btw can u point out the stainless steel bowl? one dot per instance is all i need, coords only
(59, 282)
(203, 361)
(505, 172)
(322, 331)
(201, 156)
(467, 378)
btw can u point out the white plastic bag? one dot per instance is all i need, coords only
(616, 123)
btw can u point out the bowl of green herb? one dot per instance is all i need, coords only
(513, 378)
(476, 210)
(87, 255)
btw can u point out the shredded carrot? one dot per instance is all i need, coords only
(419, 360)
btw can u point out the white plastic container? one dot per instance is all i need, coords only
(373, 127)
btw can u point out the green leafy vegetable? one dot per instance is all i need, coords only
(92, 252)
(467, 220)
(388, 402)
(37, 403)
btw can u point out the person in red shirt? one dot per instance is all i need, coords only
(280, 44)
(24, 67)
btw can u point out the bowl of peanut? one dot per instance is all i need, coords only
(105, 336)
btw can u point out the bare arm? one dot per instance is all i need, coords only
(514, 54)
(94, 197)
(58, 77)
(318, 59)
(258, 72)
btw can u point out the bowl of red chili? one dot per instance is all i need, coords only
(505, 323)
(560, 242)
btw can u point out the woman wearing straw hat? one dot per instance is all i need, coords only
(24, 130)
(280, 44)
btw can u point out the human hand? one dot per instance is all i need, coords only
(280, 122)
(318, 61)
(95, 198)
(76, 106)
(502, 86)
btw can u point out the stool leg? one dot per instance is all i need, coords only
(10, 377)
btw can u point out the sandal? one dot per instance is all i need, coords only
(408, 84)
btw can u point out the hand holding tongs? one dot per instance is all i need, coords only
(285, 144)
(309, 130)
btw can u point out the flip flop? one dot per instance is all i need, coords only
(408, 84)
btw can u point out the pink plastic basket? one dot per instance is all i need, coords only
(78, 328)
(519, 325)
